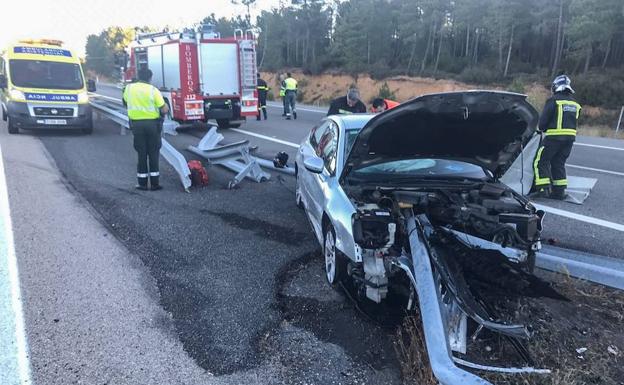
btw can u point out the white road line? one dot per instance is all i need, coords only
(598, 146)
(297, 108)
(582, 218)
(595, 169)
(290, 144)
(16, 348)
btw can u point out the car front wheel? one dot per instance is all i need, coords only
(335, 262)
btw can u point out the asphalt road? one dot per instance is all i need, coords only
(168, 287)
(606, 201)
(215, 286)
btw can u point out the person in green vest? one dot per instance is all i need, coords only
(290, 86)
(145, 105)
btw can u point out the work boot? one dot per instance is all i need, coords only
(155, 183)
(558, 193)
(543, 192)
(295, 114)
(141, 184)
(258, 118)
(288, 117)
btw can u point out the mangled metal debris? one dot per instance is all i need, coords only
(414, 205)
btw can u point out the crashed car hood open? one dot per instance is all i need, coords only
(486, 128)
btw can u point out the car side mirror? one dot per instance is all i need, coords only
(314, 164)
(91, 85)
(3, 82)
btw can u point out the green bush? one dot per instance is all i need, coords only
(517, 85)
(599, 90)
(478, 75)
(385, 92)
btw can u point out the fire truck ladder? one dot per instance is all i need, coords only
(113, 110)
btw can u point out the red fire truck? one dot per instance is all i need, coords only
(201, 75)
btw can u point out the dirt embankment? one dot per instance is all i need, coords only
(320, 89)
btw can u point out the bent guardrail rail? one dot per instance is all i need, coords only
(234, 156)
(117, 113)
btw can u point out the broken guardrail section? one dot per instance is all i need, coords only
(117, 113)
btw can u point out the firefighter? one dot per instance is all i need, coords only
(381, 105)
(290, 88)
(558, 124)
(263, 90)
(145, 105)
(349, 104)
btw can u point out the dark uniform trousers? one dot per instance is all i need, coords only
(147, 143)
(551, 160)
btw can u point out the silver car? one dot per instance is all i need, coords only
(427, 201)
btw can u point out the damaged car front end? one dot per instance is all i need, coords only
(415, 206)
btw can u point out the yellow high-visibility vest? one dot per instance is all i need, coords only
(144, 101)
(290, 84)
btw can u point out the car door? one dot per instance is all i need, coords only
(325, 145)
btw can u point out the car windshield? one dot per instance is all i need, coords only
(45, 74)
(421, 168)
(350, 139)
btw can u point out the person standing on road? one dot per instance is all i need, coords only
(349, 104)
(145, 104)
(282, 94)
(558, 123)
(263, 90)
(290, 87)
(381, 105)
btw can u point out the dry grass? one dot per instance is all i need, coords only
(412, 352)
(319, 90)
(593, 319)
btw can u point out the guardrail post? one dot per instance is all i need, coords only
(617, 128)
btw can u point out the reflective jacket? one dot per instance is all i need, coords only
(290, 84)
(390, 104)
(560, 116)
(262, 88)
(143, 101)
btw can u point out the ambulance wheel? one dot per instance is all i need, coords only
(234, 125)
(88, 130)
(223, 123)
(13, 129)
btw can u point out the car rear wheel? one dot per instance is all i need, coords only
(335, 262)
(13, 129)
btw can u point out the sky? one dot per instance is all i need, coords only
(72, 20)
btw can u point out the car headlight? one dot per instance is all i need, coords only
(83, 97)
(17, 95)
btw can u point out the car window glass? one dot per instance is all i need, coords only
(316, 134)
(328, 147)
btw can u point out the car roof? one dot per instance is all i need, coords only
(353, 121)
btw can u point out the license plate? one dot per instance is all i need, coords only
(194, 111)
(57, 122)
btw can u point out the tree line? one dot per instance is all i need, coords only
(476, 41)
(481, 41)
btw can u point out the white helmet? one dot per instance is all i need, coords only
(561, 83)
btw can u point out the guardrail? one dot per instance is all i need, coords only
(117, 113)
